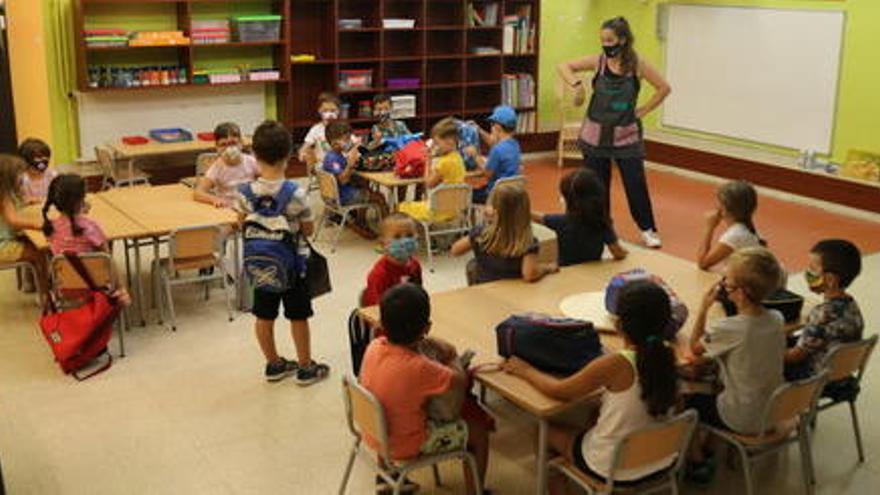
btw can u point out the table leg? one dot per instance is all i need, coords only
(541, 462)
(238, 275)
(155, 257)
(139, 282)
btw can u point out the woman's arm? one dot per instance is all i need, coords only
(661, 88)
(594, 376)
(16, 221)
(461, 246)
(533, 270)
(568, 72)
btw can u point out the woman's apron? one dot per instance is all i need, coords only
(611, 128)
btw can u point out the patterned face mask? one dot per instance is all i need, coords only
(232, 155)
(402, 249)
(814, 280)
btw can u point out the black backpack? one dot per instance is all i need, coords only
(562, 346)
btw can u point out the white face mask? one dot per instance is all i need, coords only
(232, 155)
(328, 116)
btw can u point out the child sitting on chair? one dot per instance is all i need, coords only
(834, 264)
(447, 168)
(37, 176)
(398, 264)
(505, 156)
(315, 144)
(398, 372)
(231, 168)
(386, 127)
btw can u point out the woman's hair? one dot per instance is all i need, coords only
(740, 200)
(584, 197)
(11, 168)
(31, 148)
(509, 234)
(67, 192)
(628, 57)
(644, 311)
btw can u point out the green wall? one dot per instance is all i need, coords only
(858, 105)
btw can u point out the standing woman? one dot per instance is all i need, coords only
(612, 128)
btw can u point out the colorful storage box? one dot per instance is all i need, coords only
(356, 79)
(404, 83)
(257, 28)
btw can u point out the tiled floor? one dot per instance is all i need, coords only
(189, 412)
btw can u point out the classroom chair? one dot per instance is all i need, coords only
(203, 162)
(450, 207)
(649, 445)
(112, 175)
(193, 250)
(567, 147)
(846, 365)
(365, 416)
(67, 287)
(785, 420)
(333, 206)
(519, 180)
(23, 266)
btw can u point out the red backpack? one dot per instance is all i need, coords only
(78, 336)
(411, 160)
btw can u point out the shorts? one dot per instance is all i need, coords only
(445, 437)
(577, 455)
(11, 251)
(706, 406)
(297, 303)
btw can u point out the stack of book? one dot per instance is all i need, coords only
(518, 90)
(519, 32)
(483, 14)
(526, 123)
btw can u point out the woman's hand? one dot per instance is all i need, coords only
(516, 367)
(580, 95)
(641, 112)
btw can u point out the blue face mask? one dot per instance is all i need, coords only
(402, 249)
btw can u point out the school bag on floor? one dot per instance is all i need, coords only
(78, 336)
(272, 259)
(678, 310)
(562, 346)
(410, 162)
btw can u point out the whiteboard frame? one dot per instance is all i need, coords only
(664, 41)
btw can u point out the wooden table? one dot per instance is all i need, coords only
(153, 148)
(487, 305)
(115, 224)
(392, 182)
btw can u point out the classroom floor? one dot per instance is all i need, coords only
(189, 412)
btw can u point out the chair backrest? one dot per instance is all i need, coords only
(204, 161)
(106, 160)
(194, 243)
(451, 199)
(845, 360)
(365, 414)
(519, 180)
(328, 186)
(655, 443)
(65, 277)
(792, 400)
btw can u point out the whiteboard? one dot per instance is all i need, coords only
(759, 74)
(108, 116)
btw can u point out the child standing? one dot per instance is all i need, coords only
(447, 168)
(737, 202)
(13, 247)
(585, 228)
(748, 346)
(398, 265)
(315, 144)
(231, 168)
(505, 248)
(638, 384)
(385, 127)
(37, 176)
(505, 156)
(272, 146)
(834, 264)
(72, 231)
(403, 379)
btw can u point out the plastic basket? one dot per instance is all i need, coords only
(257, 28)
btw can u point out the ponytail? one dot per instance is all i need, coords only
(644, 310)
(67, 192)
(48, 229)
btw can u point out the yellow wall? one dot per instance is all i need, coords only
(858, 105)
(30, 79)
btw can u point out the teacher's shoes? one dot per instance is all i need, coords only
(651, 239)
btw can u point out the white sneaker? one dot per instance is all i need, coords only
(651, 239)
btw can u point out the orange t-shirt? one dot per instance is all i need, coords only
(403, 380)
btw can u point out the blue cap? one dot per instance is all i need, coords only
(504, 115)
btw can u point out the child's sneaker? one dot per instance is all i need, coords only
(280, 369)
(307, 375)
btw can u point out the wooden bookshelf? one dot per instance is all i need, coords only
(438, 51)
(170, 15)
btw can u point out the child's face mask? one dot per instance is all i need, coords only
(815, 281)
(40, 164)
(402, 249)
(232, 154)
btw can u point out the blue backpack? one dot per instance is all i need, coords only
(271, 258)
(468, 135)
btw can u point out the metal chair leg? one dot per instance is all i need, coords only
(348, 467)
(475, 473)
(169, 300)
(342, 224)
(229, 298)
(436, 470)
(324, 216)
(857, 430)
(120, 332)
(806, 469)
(747, 469)
(428, 246)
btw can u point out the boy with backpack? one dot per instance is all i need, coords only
(276, 215)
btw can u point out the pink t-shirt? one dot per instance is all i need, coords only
(63, 240)
(226, 179)
(39, 187)
(403, 380)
